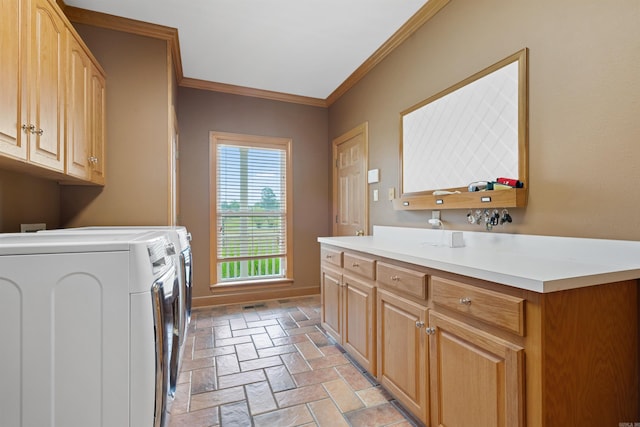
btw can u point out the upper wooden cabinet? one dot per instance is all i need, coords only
(43, 107)
(77, 114)
(47, 119)
(97, 125)
(84, 114)
(11, 142)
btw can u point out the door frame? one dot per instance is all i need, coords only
(360, 129)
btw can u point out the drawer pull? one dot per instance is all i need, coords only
(419, 324)
(328, 256)
(430, 331)
(465, 301)
(395, 278)
(355, 265)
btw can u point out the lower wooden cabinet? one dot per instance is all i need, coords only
(348, 314)
(452, 349)
(477, 379)
(358, 331)
(331, 291)
(403, 351)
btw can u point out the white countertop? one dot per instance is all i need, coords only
(536, 263)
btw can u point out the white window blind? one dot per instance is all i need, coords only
(251, 211)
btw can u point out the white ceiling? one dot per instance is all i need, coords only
(297, 47)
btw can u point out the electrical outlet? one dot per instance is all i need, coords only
(392, 193)
(32, 228)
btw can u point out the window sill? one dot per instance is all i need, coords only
(247, 285)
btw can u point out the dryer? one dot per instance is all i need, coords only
(89, 329)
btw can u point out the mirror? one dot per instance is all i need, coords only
(473, 131)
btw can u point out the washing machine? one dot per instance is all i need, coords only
(89, 329)
(181, 239)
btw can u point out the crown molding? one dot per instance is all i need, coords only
(247, 91)
(425, 13)
(112, 22)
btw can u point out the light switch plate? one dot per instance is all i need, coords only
(375, 195)
(373, 176)
(392, 193)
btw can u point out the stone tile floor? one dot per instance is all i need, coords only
(270, 364)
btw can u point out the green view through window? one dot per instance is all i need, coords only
(251, 210)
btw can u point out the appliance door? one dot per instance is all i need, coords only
(188, 276)
(166, 314)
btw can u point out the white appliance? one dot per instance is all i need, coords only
(89, 329)
(180, 237)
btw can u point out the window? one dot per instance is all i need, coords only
(251, 215)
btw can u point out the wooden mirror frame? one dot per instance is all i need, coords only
(516, 197)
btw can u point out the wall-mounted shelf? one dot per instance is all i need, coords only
(514, 198)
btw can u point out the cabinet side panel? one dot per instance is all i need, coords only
(599, 325)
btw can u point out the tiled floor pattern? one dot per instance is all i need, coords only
(271, 365)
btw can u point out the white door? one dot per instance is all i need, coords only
(350, 202)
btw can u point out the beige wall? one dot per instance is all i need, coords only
(27, 199)
(138, 100)
(200, 112)
(584, 107)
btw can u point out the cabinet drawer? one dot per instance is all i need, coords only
(503, 311)
(331, 256)
(403, 280)
(360, 265)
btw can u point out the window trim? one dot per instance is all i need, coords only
(257, 141)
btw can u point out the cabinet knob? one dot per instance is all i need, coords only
(28, 128)
(430, 331)
(360, 233)
(419, 324)
(465, 301)
(38, 132)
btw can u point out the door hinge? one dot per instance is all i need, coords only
(336, 219)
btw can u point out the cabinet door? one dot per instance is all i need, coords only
(402, 351)
(476, 378)
(45, 85)
(11, 141)
(97, 129)
(358, 334)
(77, 131)
(331, 315)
